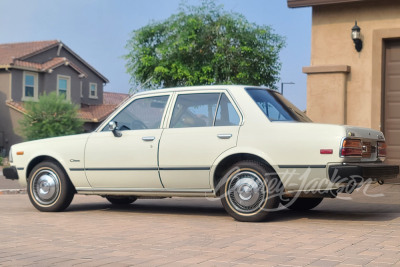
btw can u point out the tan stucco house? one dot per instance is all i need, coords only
(29, 69)
(345, 86)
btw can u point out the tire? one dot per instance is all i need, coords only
(250, 191)
(49, 187)
(121, 200)
(301, 204)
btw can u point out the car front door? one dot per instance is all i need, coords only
(128, 161)
(202, 127)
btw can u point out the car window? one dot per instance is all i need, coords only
(272, 108)
(226, 114)
(143, 113)
(194, 110)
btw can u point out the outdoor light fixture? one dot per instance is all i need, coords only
(356, 36)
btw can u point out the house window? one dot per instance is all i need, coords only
(63, 86)
(93, 90)
(30, 86)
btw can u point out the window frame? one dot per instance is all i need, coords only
(226, 92)
(104, 126)
(68, 78)
(35, 96)
(96, 91)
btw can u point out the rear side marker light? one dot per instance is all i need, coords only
(326, 151)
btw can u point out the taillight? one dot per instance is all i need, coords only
(351, 148)
(381, 150)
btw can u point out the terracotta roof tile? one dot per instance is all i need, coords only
(54, 62)
(110, 98)
(27, 64)
(87, 113)
(14, 54)
(96, 113)
(9, 52)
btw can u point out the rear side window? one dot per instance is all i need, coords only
(274, 109)
(203, 110)
(226, 114)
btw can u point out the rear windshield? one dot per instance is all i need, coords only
(275, 106)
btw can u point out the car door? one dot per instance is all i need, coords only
(202, 126)
(130, 160)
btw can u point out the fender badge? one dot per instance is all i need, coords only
(74, 160)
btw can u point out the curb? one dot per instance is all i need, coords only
(12, 191)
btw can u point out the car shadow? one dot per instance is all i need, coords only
(332, 211)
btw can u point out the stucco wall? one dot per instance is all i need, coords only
(9, 125)
(332, 45)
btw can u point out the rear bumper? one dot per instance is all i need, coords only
(10, 173)
(360, 172)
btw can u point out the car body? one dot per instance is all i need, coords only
(247, 145)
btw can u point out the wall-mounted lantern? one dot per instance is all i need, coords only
(356, 36)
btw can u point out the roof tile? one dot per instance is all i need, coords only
(10, 52)
(88, 113)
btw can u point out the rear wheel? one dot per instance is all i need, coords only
(121, 200)
(250, 192)
(49, 187)
(301, 203)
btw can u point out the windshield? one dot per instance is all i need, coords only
(275, 106)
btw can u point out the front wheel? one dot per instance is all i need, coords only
(250, 192)
(49, 187)
(300, 204)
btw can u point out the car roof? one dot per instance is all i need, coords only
(202, 87)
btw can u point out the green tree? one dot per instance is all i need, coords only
(49, 117)
(203, 45)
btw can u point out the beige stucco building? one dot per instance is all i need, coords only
(345, 86)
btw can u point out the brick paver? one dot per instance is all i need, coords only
(364, 231)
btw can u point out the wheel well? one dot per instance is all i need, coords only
(232, 159)
(39, 159)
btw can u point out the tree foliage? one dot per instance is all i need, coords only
(49, 117)
(203, 45)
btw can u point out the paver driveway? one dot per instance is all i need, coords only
(182, 232)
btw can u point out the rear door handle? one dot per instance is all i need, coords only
(224, 136)
(148, 138)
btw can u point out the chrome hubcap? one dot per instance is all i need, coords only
(246, 192)
(46, 187)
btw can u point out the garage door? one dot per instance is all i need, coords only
(392, 101)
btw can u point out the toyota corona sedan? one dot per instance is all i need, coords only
(246, 145)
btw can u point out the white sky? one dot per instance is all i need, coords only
(98, 30)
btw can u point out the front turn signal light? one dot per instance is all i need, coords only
(381, 150)
(351, 148)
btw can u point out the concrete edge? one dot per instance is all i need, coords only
(12, 191)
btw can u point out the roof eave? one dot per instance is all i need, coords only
(85, 63)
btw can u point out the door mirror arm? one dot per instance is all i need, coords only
(113, 127)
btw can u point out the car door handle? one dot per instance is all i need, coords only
(224, 136)
(148, 138)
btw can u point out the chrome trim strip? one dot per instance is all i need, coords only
(186, 169)
(143, 190)
(143, 169)
(302, 166)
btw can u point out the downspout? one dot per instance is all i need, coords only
(60, 45)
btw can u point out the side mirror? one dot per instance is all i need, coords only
(112, 126)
